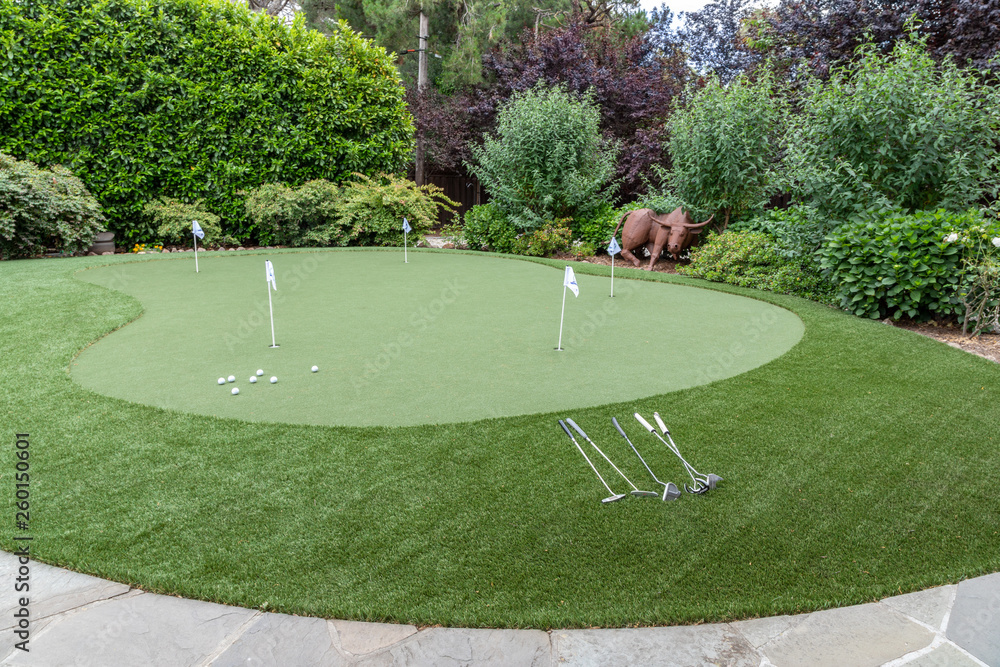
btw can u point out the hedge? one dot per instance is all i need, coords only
(192, 99)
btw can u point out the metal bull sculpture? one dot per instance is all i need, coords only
(674, 231)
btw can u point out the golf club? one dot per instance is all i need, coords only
(708, 480)
(701, 482)
(670, 491)
(635, 490)
(613, 497)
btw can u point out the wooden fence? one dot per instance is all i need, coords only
(466, 191)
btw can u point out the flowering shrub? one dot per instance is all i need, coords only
(980, 291)
(891, 264)
(146, 247)
(753, 259)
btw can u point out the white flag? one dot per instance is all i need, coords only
(406, 226)
(613, 247)
(570, 281)
(269, 269)
(196, 229)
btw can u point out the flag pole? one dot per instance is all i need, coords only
(271, 308)
(195, 251)
(405, 260)
(561, 316)
(612, 276)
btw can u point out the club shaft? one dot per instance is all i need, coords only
(587, 458)
(587, 438)
(648, 469)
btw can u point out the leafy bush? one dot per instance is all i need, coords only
(172, 220)
(980, 292)
(798, 230)
(895, 264)
(596, 228)
(547, 159)
(42, 208)
(752, 259)
(896, 131)
(372, 209)
(548, 240)
(724, 146)
(303, 216)
(193, 99)
(487, 228)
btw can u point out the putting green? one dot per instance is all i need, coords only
(445, 338)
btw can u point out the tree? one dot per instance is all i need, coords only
(724, 146)
(712, 40)
(632, 80)
(896, 131)
(547, 159)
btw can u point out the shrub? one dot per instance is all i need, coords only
(548, 240)
(980, 292)
(372, 209)
(799, 230)
(172, 220)
(487, 228)
(547, 159)
(724, 146)
(193, 99)
(752, 259)
(303, 216)
(895, 264)
(596, 229)
(43, 208)
(896, 131)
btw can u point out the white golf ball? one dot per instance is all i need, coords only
(273, 379)
(222, 380)
(236, 390)
(232, 378)
(315, 369)
(253, 379)
(260, 372)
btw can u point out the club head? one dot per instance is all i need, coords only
(645, 494)
(670, 492)
(612, 499)
(713, 480)
(699, 489)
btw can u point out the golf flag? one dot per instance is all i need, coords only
(406, 226)
(196, 229)
(613, 247)
(269, 269)
(569, 280)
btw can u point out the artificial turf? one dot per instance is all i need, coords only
(444, 338)
(857, 465)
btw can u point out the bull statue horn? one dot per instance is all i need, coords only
(701, 224)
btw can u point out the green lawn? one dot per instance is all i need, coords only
(858, 465)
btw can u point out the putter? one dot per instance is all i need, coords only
(613, 497)
(635, 490)
(701, 482)
(670, 491)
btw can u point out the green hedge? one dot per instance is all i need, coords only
(192, 99)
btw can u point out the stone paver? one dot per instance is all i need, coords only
(278, 639)
(860, 636)
(682, 645)
(136, 629)
(945, 655)
(759, 631)
(928, 607)
(975, 618)
(362, 638)
(453, 647)
(52, 589)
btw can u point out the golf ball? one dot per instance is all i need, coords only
(222, 380)
(260, 372)
(253, 379)
(236, 390)
(315, 369)
(232, 378)
(273, 379)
